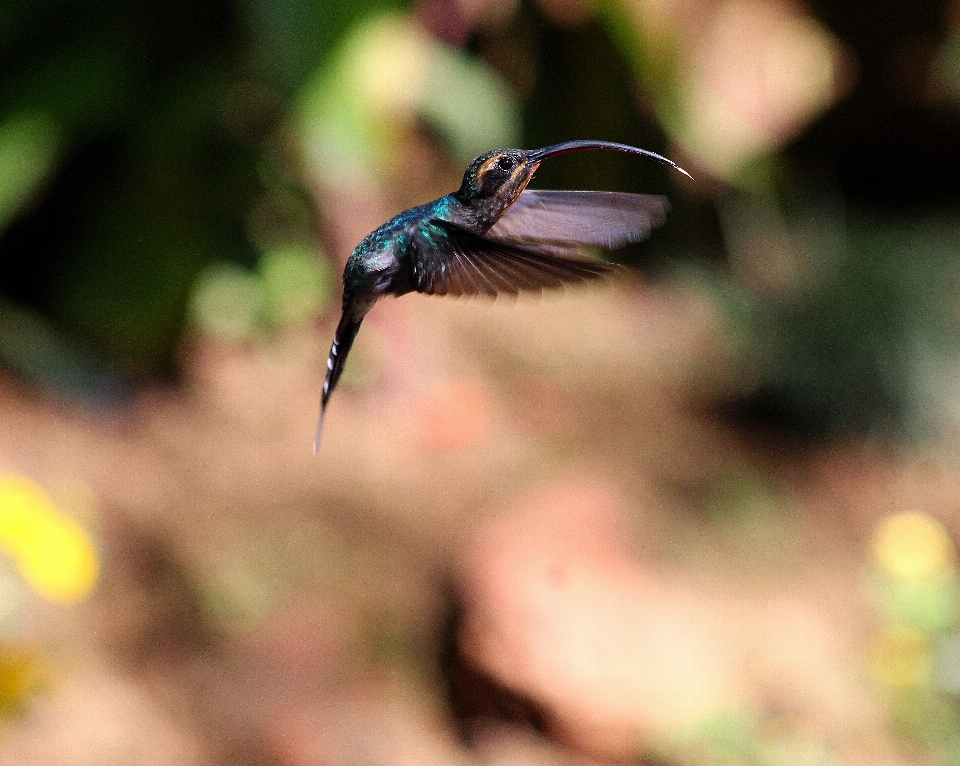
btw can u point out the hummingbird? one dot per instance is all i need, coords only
(492, 236)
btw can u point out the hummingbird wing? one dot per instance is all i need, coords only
(448, 260)
(571, 220)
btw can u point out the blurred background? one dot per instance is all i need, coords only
(703, 513)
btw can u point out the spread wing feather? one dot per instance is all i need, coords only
(537, 244)
(572, 219)
(460, 263)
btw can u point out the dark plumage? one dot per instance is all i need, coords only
(491, 237)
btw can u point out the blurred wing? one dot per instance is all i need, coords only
(572, 219)
(452, 261)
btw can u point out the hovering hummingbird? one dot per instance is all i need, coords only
(491, 237)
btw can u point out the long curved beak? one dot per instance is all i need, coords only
(538, 155)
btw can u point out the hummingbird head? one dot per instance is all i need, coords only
(500, 174)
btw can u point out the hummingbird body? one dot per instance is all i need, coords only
(490, 237)
(377, 264)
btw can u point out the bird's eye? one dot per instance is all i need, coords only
(506, 163)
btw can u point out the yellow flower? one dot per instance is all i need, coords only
(913, 546)
(52, 551)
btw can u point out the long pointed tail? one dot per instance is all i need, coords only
(342, 341)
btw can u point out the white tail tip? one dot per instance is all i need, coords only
(316, 439)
